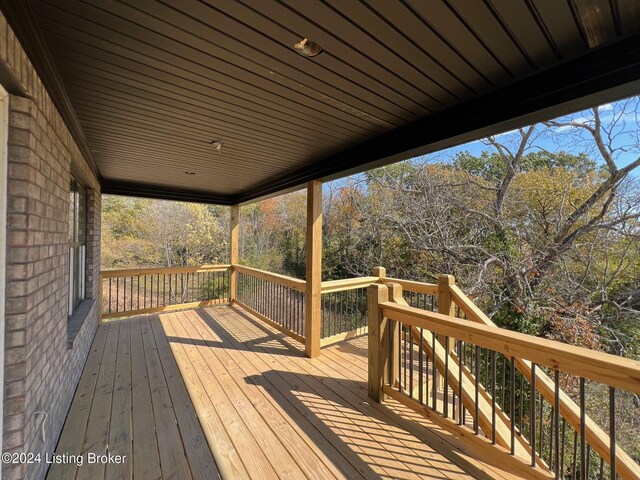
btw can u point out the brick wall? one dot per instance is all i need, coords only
(42, 368)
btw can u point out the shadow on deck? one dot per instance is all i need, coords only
(208, 392)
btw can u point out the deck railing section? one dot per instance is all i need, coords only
(344, 309)
(504, 388)
(152, 290)
(276, 299)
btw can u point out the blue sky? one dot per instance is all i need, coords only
(620, 118)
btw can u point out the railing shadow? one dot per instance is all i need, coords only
(269, 342)
(369, 438)
(272, 342)
(359, 438)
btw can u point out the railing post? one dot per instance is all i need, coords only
(234, 216)
(313, 313)
(445, 302)
(379, 272)
(445, 307)
(378, 341)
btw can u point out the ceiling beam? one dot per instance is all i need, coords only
(133, 189)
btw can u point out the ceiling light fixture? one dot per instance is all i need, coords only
(308, 48)
(217, 144)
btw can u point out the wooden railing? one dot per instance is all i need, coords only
(511, 395)
(152, 290)
(279, 300)
(344, 309)
(433, 350)
(276, 299)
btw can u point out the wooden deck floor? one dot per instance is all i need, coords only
(190, 394)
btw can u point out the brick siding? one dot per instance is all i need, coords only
(42, 368)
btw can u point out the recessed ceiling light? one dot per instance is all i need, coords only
(308, 48)
(188, 172)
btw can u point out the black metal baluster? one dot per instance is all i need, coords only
(404, 349)
(476, 423)
(327, 318)
(434, 373)
(460, 367)
(602, 468)
(117, 294)
(445, 392)
(464, 360)
(399, 356)
(612, 431)
(493, 397)
(512, 404)
(564, 425)
(556, 407)
(426, 376)
(540, 420)
(583, 435)
(532, 423)
(521, 395)
(420, 369)
(551, 432)
(575, 454)
(453, 392)
(410, 332)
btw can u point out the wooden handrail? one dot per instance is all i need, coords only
(570, 411)
(347, 284)
(135, 272)
(284, 280)
(413, 286)
(602, 367)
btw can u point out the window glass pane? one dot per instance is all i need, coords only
(72, 214)
(82, 215)
(77, 243)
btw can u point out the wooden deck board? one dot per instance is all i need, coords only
(193, 393)
(146, 459)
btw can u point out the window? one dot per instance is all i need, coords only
(77, 243)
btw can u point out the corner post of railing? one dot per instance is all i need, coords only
(234, 230)
(378, 338)
(379, 272)
(445, 302)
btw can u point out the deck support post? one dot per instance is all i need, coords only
(313, 312)
(378, 341)
(234, 229)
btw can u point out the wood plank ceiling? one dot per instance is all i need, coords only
(153, 83)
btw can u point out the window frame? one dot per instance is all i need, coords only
(77, 244)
